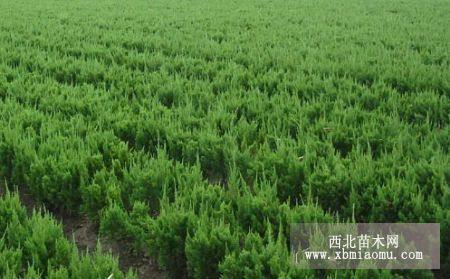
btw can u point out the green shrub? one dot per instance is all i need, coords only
(35, 247)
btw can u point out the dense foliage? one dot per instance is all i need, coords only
(199, 130)
(35, 247)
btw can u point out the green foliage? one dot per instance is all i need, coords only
(35, 247)
(167, 239)
(158, 124)
(207, 248)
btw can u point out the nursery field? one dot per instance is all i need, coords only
(195, 132)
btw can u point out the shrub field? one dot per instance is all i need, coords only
(198, 131)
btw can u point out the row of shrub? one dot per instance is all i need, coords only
(34, 246)
(98, 174)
